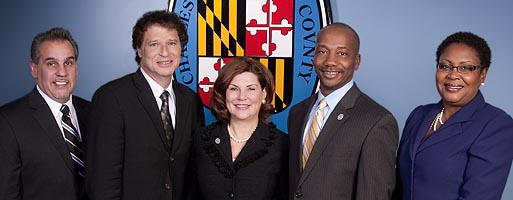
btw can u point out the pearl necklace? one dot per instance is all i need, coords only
(237, 140)
(438, 119)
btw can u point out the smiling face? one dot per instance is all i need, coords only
(56, 70)
(336, 58)
(244, 97)
(160, 53)
(458, 89)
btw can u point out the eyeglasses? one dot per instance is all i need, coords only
(464, 69)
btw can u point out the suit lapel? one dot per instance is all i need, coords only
(444, 133)
(82, 109)
(223, 147)
(255, 143)
(453, 126)
(423, 128)
(183, 113)
(147, 100)
(304, 110)
(330, 129)
(50, 127)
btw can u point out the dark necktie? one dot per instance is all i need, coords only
(166, 117)
(73, 141)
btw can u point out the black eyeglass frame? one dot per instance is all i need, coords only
(464, 69)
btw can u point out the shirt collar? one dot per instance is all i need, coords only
(55, 106)
(333, 98)
(155, 87)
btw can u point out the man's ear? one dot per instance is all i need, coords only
(33, 69)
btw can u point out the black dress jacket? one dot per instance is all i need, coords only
(35, 162)
(259, 172)
(130, 156)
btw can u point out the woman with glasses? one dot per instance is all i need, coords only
(460, 147)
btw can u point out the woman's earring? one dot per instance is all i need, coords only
(482, 83)
(263, 101)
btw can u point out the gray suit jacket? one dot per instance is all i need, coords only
(354, 155)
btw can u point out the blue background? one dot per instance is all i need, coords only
(398, 43)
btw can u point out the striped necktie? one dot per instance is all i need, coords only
(73, 141)
(313, 132)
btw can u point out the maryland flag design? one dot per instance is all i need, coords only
(278, 33)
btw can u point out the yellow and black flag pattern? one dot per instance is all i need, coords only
(221, 28)
(281, 70)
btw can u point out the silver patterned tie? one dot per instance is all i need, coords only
(166, 117)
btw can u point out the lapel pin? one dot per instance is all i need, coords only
(340, 117)
(217, 140)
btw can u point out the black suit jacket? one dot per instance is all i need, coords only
(130, 157)
(34, 160)
(259, 172)
(354, 155)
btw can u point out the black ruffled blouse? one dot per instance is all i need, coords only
(259, 172)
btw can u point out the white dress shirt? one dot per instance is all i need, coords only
(157, 91)
(55, 107)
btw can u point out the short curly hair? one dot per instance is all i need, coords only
(233, 68)
(162, 18)
(473, 41)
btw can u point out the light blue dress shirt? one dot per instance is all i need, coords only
(331, 101)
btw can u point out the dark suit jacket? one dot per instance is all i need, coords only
(34, 160)
(469, 157)
(130, 157)
(259, 172)
(353, 157)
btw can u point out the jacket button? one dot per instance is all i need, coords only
(171, 158)
(298, 195)
(231, 195)
(167, 186)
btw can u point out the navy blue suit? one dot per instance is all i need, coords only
(469, 157)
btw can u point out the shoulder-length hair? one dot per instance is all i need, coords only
(233, 68)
